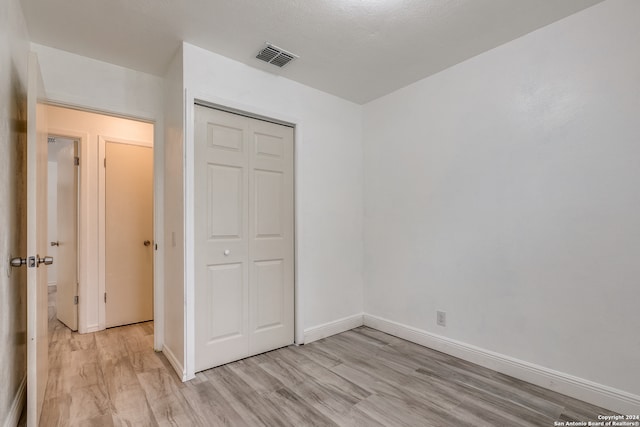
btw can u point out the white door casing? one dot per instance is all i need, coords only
(128, 233)
(244, 237)
(67, 228)
(37, 295)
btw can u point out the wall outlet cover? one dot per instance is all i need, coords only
(441, 318)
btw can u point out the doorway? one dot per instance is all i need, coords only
(112, 278)
(62, 276)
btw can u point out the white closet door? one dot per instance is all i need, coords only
(244, 237)
(221, 221)
(270, 236)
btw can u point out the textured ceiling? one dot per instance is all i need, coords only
(356, 49)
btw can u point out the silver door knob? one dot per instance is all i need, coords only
(226, 252)
(147, 242)
(18, 262)
(48, 260)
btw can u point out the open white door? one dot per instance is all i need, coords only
(67, 262)
(37, 340)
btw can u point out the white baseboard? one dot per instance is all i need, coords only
(18, 404)
(177, 366)
(579, 388)
(331, 328)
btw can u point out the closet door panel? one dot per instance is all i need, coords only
(221, 222)
(271, 227)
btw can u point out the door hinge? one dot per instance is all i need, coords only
(105, 297)
(105, 162)
(75, 300)
(76, 161)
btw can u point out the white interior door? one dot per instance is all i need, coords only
(67, 229)
(37, 315)
(244, 237)
(221, 218)
(271, 226)
(128, 233)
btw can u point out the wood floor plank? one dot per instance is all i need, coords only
(315, 352)
(173, 410)
(320, 374)
(210, 407)
(129, 407)
(356, 418)
(159, 383)
(391, 411)
(251, 406)
(279, 369)
(334, 404)
(99, 421)
(88, 403)
(399, 381)
(144, 361)
(294, 410)
(55, 410)
(256, 377)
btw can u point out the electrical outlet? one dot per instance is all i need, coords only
(441, 318)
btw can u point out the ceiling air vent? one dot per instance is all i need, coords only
(276, 56)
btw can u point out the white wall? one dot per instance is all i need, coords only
(504, 191)
(52, 219)
(88, 128)
(328, 175)
(14, 54)
(174, 291)
(76, 80)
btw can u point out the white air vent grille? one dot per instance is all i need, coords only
(276, 56)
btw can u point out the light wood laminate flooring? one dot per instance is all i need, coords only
(362, 377)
